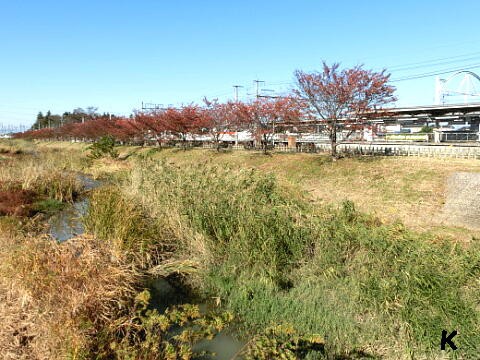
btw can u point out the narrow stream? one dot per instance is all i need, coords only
(67, 223)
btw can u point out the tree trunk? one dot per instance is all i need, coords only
(333, 143)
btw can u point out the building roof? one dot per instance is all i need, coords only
(437, 110)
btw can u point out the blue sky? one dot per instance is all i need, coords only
(60, 55)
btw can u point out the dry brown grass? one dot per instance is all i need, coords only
(50, 174)
(411, 190)
(55, 297)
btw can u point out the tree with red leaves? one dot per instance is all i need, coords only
(218, 118)
(127, 130)
(343, 100)
(151, 125)
(279, 112)
(262, 116)
(184, 122)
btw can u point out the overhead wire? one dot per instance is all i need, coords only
(434, 73)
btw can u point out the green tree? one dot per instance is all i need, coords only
(38, 122)
(426, 129)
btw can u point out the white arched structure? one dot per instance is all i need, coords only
(469, 86)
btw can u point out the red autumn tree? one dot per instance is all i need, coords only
(218, 118)
(127, 130)
(151, 124)
(343, 100)
(279, 112)
(263, 115)
(184, 122)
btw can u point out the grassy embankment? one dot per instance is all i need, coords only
(273, 253)
(408, 189)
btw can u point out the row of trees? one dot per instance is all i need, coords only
(182, 124)
(338, 100)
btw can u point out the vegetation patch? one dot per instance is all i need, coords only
(303, 278)
(15, 201)
(105, 146)
(271, 257)
(48, 206)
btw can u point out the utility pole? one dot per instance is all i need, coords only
(236, 91)
(257, 83)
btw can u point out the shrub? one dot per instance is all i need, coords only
(426, 129)
(103, 147)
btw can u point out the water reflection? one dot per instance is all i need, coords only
(224, 346)
(67, 223)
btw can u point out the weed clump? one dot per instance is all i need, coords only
(243, 217)
(105, 146)
(121, 221)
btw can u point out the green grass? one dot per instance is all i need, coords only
(408, 189)
(118, 220)
(48, 206)
(273, 257)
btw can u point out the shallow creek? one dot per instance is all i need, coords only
(67, 223)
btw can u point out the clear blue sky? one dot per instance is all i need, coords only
(60, 55)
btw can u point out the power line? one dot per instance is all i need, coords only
(420, 64)
(433, 64)
(434, 73)
(433, 61)
(456, 59)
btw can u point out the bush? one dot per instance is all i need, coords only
(426, 129)
(103, 147)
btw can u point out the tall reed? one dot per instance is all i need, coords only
(272, 257)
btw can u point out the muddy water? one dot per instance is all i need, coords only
(67, 224)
